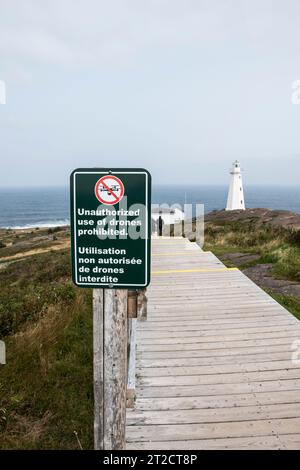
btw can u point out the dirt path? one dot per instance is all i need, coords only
(36, 251)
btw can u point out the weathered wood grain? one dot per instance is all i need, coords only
(115, 368)
(131, 369)
(98, 315)
(110, 368)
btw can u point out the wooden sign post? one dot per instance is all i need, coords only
(110, 367)
(110, 244)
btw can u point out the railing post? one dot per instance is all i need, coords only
(132, 304)
(142, 305)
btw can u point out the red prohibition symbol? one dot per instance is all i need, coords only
(109, 190)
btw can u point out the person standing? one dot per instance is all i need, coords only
(160, 226)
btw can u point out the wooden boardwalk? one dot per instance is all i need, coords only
(214, 359)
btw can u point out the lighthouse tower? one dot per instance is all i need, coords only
(235, 200)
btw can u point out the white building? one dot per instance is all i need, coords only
(169, 215)
(235, 200)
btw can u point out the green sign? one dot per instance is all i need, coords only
(111, 227)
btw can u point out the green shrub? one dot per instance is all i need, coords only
(54, 230)
(294, 237)
(30, 286)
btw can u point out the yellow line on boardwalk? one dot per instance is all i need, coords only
(213, 270)
(182, 246)
(173, 253)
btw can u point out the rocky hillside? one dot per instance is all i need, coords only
(274, 218)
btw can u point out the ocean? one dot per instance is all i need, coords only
(49, 207)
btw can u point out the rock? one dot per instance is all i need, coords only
(261, 275)
(240, 258)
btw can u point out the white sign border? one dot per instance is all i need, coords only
(75, 219)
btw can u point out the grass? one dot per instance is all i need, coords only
(275, 245)
(46, 395)
(291, 303)
(28, 287)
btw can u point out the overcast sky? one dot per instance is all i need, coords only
(180, 87)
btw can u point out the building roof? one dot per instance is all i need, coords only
(164, 210)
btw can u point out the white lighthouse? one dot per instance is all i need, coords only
(235, 200)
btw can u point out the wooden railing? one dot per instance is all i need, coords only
(136, 311)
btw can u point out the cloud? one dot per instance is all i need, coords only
(94, 32)
(149, 82)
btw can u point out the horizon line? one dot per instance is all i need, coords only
(59, 186)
